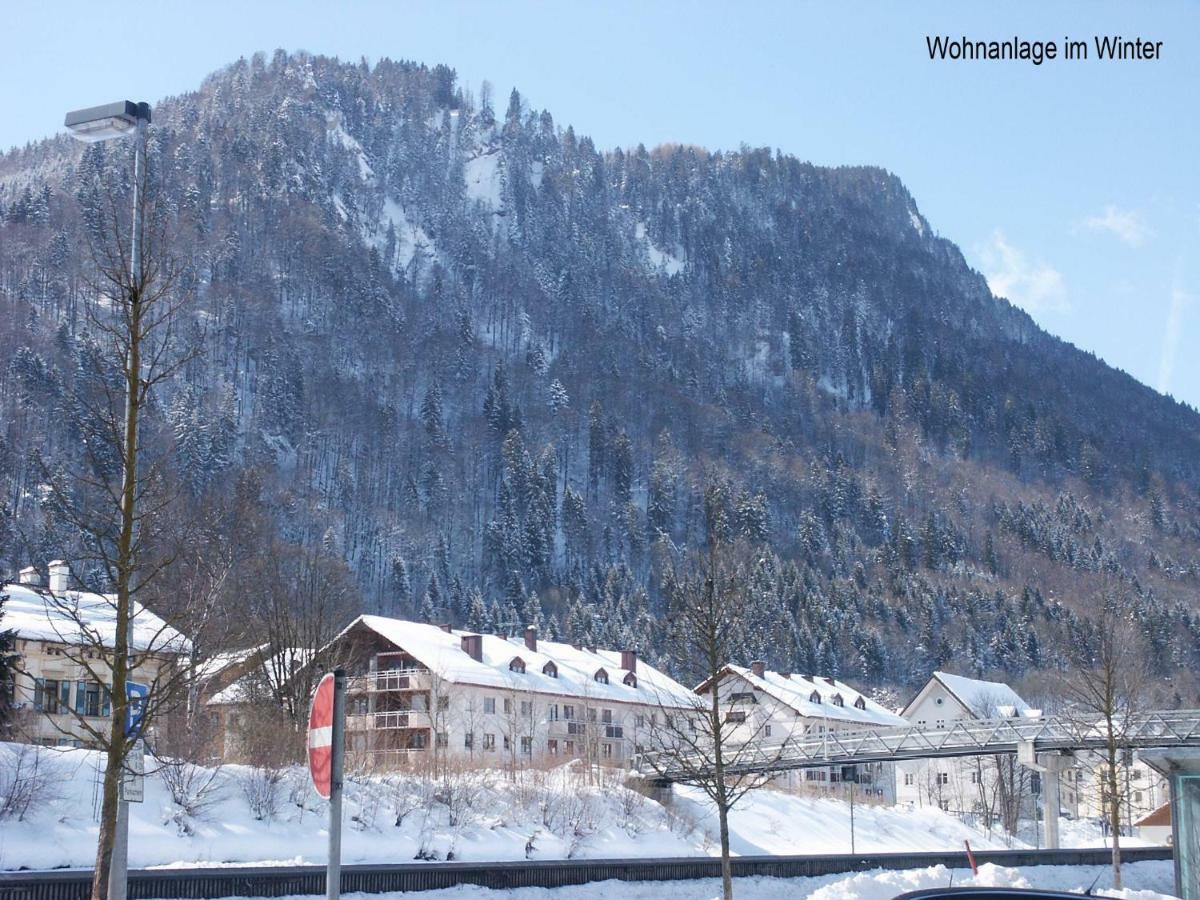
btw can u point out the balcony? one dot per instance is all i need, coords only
(388, 720)
(389, 680)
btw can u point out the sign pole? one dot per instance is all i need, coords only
(333, 874)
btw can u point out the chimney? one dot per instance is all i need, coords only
(446, 627)
(29, 576)
(831, 681)
(629, 660)
(808, 678)
(787, 675)
(472, 645)
(759, 668)
(60, 576)
(531, 638)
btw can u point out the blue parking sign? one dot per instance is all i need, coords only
(135, 711)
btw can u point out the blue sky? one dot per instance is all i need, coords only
(1074, 186)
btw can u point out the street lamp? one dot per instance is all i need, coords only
(101, 123)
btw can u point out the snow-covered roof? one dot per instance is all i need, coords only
(986, 699)
(442, 653)
(219, 663)
(274, 671)
(79, 617)
(796, 692)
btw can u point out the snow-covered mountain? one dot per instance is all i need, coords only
(497, 371)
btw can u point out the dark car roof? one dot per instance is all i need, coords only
(986, 893)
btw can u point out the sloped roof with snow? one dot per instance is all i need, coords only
(81, 617)
(441, 652)
(796, 691)
(274, 671)
(986, 698)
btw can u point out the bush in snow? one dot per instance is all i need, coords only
(27, 780)
(262, 787)
(194, 790)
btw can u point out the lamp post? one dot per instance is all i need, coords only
(101, 123)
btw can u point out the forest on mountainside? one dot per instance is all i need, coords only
(472, 368)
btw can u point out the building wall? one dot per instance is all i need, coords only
(54, 696)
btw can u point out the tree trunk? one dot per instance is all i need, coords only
(726, 864)
(1114, 815)
(115, 764)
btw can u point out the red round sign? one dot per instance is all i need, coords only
(320, 736)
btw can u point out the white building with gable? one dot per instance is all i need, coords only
(419, 691)
(772, 707)
(60, 694)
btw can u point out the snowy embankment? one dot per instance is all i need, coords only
(1144, 881)
(235, 814)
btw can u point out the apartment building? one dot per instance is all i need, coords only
(771, 708)
(62, 633)
(421, 692)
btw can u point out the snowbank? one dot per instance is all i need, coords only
(1148, 881)
(239, 815)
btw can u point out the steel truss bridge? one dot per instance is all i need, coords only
(972, 737)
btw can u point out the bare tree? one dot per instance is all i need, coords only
(118, 498)
(702, 741)
(1104, 691)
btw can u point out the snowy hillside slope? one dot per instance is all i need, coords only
(235, 814)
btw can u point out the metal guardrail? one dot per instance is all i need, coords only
(968, 737)
(178, 884)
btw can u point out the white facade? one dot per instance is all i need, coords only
(56, 699)
(771, 708)
(962, 785)
(421, 692)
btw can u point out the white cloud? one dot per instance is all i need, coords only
(1032, 285)
(1180, 300)
(1126, 225)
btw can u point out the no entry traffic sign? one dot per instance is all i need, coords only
(320, 736)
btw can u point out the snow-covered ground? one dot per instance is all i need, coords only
(1143, 881)
(237, 815)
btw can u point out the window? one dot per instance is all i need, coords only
(469, 740)
(526, 707)
(550, 669)
(737, 718)
(908, 779)
(443, 703)
(576, 728)
(1136, 774)
(527, 745)
(614, 731)
(606, 716)
(517, 665)
(639, 721)
(766, 731)
(442, 739)
(507, 705)
(569, 748)
(837, 700)
(860, 703)
(941, 723)
(489, 742)
(944, 805)
(743, 697)
(591, 715)
(814, 697)
(606, 751)
(630, 680)
(87, 698)
(552, 712)
(51, 695)
(1137, 796)
(568, 711)
(507, 742)
(489, 704)
(552, 747)
(416, 740)
(974, 778)
(943, 777)
(601, 676)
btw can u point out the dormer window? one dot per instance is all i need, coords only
(860, 703)
(517, 665)
(550, 669)
(837, 700)
(630, 680)
(601, 676)
(814, 697)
